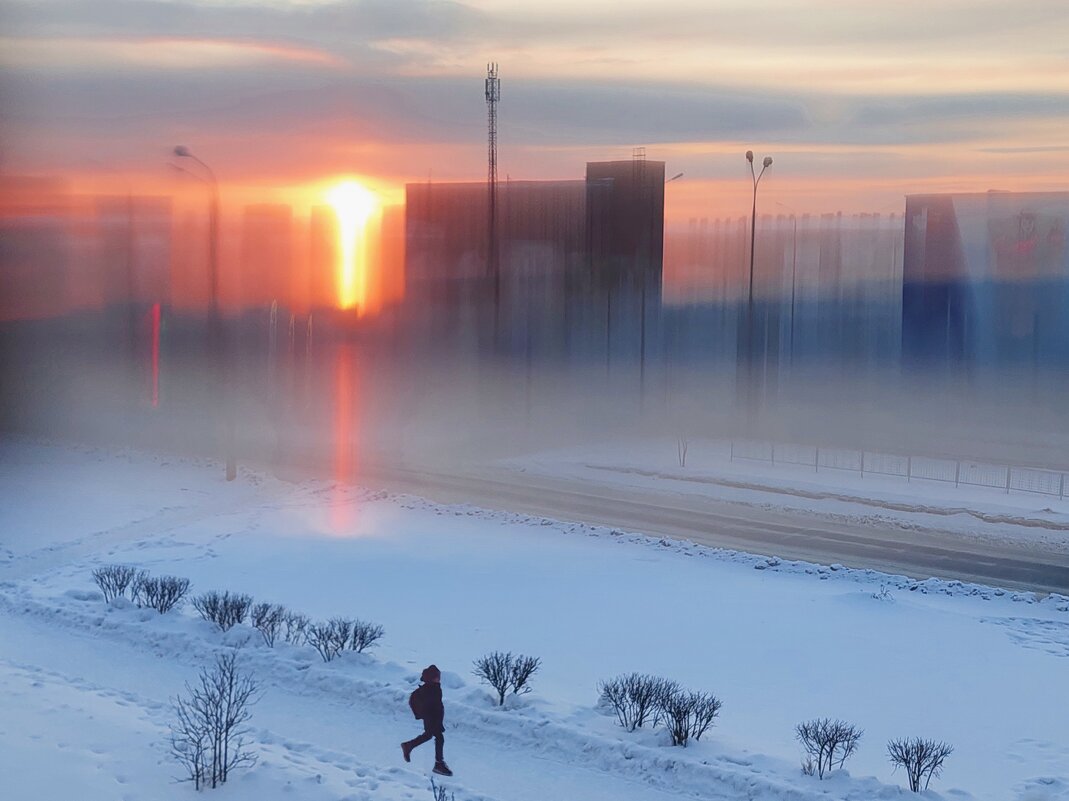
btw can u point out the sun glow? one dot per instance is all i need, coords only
(354, 206)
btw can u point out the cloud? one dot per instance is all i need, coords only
(396, 85)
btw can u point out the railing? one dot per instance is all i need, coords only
(958, 472)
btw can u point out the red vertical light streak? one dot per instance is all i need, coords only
(155, 355)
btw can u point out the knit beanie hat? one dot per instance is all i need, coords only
(430, 673)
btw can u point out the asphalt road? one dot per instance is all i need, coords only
(782, 533)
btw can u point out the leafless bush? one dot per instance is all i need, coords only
(681, 451)
(439, 792)
(827, 743)
(504, 672)
(268, 620)
(922, 759)
(523, 667)
(114, 579)
(330, 638)
(222, 608)
(688, 715)
(208, 733)
(295, 628)
(162, 593)
(365, 635)
(635, 698)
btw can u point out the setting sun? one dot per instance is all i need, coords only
(353, 205)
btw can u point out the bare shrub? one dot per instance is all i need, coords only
(365, 635)
(222, 608)
(208, 735)
(688, 715)
(268, 620)
(113, 580)
(827, 743)
(922, 759)
(681, 451)
(523, 667)
(496, 670)
(440, 793)
(504, 672)
(330, 638)
(162, 593)
(295, 628)
(635, 698)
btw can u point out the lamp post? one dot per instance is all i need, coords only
(749, 298)
(215, 339)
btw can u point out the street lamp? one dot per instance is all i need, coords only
(677, 176)
(749, 300)
(181, 151)
(215, 338)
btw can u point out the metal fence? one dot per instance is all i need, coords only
(958, 472)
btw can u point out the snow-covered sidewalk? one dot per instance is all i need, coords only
(85, 686)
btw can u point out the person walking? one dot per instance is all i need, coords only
(426, 704)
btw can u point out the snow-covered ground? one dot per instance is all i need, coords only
(654, 463)
(85, 686)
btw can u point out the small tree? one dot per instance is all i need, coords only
(827, 743)
(222, 608)
(504, 672)
(162, 593)
(922, 759)
(365, 635)
(113, 580)
(688, 715)
(268, 620)
(209, 731)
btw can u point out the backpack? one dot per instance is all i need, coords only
(416, 704)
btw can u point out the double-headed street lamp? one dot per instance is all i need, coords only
(749, 296)
(215, 333)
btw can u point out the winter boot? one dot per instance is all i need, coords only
(406, 752)
(442, 769)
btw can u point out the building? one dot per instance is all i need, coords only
(568, 254)
(986, 279)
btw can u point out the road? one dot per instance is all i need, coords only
(784, 533)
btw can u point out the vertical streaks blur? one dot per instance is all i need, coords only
(342, 437)
(155, 355)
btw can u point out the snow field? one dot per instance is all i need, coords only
(979, 667)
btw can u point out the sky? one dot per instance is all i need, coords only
(858, 103)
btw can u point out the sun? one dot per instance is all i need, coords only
(354, 204)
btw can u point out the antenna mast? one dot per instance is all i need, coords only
(493, 95)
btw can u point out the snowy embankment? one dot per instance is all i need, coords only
(85, 686)
(980, 512)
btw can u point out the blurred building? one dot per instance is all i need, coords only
(986, 279)
(625, 222)
(267, 255)
(826, 287)
(62, 252)
(322, 261)
(568, 254)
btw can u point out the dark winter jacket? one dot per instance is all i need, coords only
(433, 708)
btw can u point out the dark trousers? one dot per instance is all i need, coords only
(439, 743)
